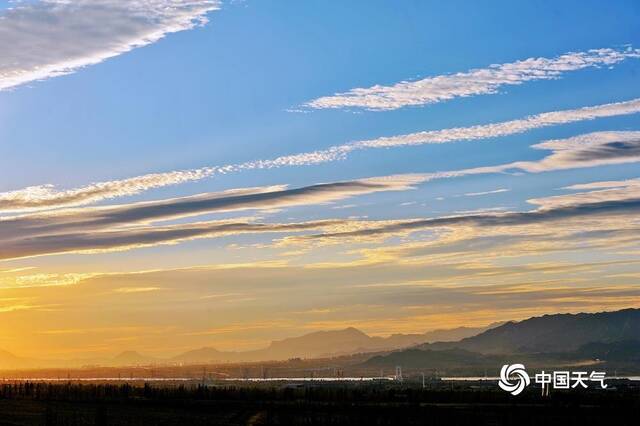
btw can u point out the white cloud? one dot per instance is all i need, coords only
(43, 197)
(588, 150)
(475, 82)
(127, 227)
(89, 220)
(49, 38)
(477, 194)
(605, 184)
(505, 128)
(595, 193)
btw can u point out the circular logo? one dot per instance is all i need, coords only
(513, 378)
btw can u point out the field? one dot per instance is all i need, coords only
(310, 404)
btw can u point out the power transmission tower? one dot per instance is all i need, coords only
(399, 373)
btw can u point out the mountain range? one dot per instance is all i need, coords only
(605, 338)
(551, 333)
(322, 344)
(318, 344)
(608, 336)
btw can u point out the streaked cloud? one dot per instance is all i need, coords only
(127, 290)
(550, 213)
(126, 226)
(284, 260)
(475, 82)
(43, 279)
(130, 226)
(478, 194)
(261, 198)
(588, 150)
(98, 229)
(505, 128)
(49, 38)
(46, 197)
(613, 191)
(582, 151)
(27, 241)
(606, 210)
(604, 184)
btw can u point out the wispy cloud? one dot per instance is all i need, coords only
(126, 226)
(38, 230)
(43, 280)
(45, 197)
(595, 192)
(607, 208)
(142, 236)
(588, 150)
(478, 194)
(128, 290)
(620, 207)
(604, 184)
(475, 82)
(261, 198)
(49, 38)
(505, 128)
(618, 204)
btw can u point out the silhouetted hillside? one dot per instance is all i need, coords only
(203, 355)
(623, 351)
(319, 343)
(551, 333)
(445, 359)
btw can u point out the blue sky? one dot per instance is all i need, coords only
(219, 94)
(240, 88)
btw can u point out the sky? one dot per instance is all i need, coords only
(227, 173)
